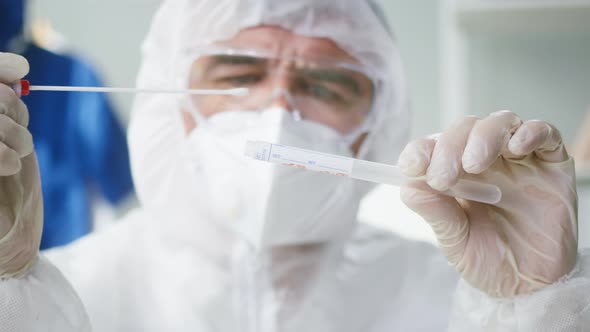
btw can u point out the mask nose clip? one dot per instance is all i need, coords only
(282, 98)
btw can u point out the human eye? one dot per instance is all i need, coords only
(323, 92)
(233, 71)
(240, 79)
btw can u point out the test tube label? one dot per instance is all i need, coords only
(263, 152)
(311, 160)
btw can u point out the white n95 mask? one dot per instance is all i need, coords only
(263, 203)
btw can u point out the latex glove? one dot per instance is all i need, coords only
(526, 241)
(21, 206)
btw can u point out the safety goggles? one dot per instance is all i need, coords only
(336, 94)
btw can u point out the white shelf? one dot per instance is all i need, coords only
(524, 15)
(474, 6)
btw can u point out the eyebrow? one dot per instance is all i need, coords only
(221, 60)
(334, 76)
(329, 75)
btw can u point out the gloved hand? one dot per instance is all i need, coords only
(526, 241)
(21, 205)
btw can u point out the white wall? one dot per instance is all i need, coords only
(540, 77)
(106, 32)
(416, 27)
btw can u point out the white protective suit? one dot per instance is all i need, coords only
(166, 267)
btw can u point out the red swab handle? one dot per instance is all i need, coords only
(22, 88)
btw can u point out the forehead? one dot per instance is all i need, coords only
(281, 42)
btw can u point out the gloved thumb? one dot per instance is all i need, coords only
(443, 213)
(13, 67)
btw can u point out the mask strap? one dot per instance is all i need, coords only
(364, 128)
(194, 113)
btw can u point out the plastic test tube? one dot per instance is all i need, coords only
(361, 169)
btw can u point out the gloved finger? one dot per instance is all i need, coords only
(10, 163)
(15, 136)
(13, 67)
(445, 165)
(12, 106)
(415, 158)
(445, 216)
(541, 138)
(488, 140)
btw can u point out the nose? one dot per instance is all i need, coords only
(281, 84)
(282, 98)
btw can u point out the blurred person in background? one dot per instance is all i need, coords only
(80, 144)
